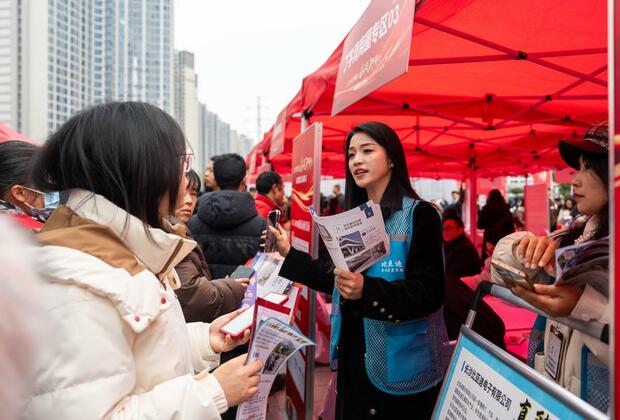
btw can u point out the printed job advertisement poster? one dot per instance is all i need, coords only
(355, 239)
(274, 343)
(481, 385)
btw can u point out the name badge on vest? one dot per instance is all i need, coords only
(554, 351)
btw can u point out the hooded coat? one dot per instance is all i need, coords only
(228, 229)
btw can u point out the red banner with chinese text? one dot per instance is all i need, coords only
(306, 170)
(375, 51)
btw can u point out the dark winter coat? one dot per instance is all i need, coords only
(228, 230)
(494, 215)
(462, 258)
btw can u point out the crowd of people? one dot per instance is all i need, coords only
(131, 260)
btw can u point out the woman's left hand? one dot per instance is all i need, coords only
(221, 342)
(557, 301)
(350, 285)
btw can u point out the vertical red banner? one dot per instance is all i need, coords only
(306, 178)
(252, 165)
(537, 209)
(277, 136)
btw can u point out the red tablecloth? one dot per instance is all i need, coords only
(518, 323)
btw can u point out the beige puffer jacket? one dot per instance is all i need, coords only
(120, 347)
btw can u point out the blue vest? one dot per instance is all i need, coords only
(405, 357)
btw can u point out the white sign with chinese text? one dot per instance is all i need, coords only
(485, 383)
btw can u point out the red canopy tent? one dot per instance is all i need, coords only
(491, 87)
(7, 134)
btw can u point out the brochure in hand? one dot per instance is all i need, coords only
(585, 263)
(355, 239)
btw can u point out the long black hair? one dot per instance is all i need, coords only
(128, 152)
(16, 159)
(399, 184)
(598, 163)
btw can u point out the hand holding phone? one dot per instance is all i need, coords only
(244, 321)
(237, 326)
(511, 275)
(273, 219)
(222, 341)
(242, 272)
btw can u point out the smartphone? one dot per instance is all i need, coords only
(236, 327)
(512, 275)
(245, 319)
(273, 219)
(242, 272)
(275, 297)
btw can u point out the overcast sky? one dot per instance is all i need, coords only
(250, 48)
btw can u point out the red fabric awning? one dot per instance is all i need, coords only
(7, 134)
(491, 87)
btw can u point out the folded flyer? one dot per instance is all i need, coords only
(274, 342)
(266, 278)
(585, 263)
(355, 239)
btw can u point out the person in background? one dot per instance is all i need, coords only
(567, 212)
(554, 208)
(461, 256)
(336, 201)
(270, 195)
(518, 213)
(227, 226)
(495, 211)
(120, 347)
(457, 203)
(27, 205)
(201, 298)
(208, 178)
(462, 268)
(324, 203)
(253, 192)
(590, 185)
(459, 298)
(491, 237)
(398, 308)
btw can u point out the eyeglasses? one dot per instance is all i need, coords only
(186, 161)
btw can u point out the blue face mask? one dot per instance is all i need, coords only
(51, 200)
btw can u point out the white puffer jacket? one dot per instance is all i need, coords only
(119, 347)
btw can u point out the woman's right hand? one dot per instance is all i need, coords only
(243, 282)
(281, 239)
(239, 382)
(538, 252)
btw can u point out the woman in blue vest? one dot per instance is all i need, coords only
(388, 332)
